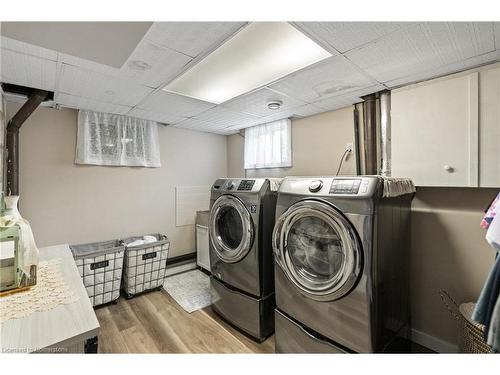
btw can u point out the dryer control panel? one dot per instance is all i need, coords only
(344, 186)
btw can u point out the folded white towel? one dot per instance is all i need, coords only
(136, 243)
(149, 239)
(274, 183)
(394, 187)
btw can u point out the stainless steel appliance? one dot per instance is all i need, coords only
(341, 265)
(202, 242)
(242, 213)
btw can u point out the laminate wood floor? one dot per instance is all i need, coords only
(155, 323)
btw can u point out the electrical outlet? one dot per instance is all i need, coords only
(348, 147)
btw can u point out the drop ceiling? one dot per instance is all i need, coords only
(366, 57)
(116, 39)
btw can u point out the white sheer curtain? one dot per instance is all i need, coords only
(269, 145)
(108, 139)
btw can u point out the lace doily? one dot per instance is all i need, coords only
(50, 291)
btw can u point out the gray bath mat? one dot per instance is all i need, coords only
(190, 289)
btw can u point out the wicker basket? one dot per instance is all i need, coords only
(471, 334)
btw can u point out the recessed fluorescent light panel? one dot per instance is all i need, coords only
(258, 54)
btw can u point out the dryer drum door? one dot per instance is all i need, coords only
(318, 249)
(231, 229)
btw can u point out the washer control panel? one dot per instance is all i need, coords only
(238, 185)
(348, 186)
(315, 186)
(246, 185)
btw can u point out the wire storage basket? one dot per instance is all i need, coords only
(144, 265)
(471, 334)
(100, 266)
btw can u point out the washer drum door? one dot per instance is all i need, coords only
(231, 229)
(318, 250)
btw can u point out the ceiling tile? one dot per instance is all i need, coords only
(191, 38)
(26, 70)
(296, 112)
(76, 102)
(219, 118)
(255, 103)
(108, 43)
(338, 102)
(457, 41)
(173, 106)
(306, 110)
(100, 87)
(341, 101)
(227, 132)
(223, 117)
(332, 77)
(27, 49)
(473, 62)
(300, 111)
(88, 65)
(163, 65)
(344, 36)
(496, 26)
(155, 116)
(423, 47)
(194, 124)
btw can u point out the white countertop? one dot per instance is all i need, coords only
(59, 327)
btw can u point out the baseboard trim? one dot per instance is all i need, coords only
(175, 269)
(181, 258)
(432, 342)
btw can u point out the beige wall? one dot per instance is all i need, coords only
(68, 203)
(318, 143)
(448, 246)
(449, 252)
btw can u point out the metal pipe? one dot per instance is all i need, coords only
(357, 140)
(385, 133)
(370, 134)
(12, 140)
(12, 175)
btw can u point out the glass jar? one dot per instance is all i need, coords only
(10, 277)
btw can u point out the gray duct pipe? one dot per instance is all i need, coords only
(12, 140)
(372, 129)
(370, 133)
(385, 133)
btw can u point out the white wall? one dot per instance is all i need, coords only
(68, 203)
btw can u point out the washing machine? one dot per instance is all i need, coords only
(242, 214)
(341, 265)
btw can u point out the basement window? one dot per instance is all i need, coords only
(116, 140)
(269, 145)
